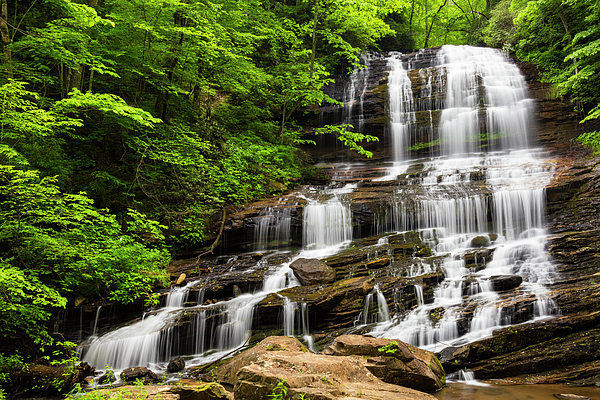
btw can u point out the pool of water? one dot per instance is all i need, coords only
(502, 391)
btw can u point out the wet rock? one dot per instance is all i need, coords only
(506, 282)
(176, 365)
(479, 241)
(107, 378)
(310, 271)
(453, 358)
(141, 373)
(256, 373)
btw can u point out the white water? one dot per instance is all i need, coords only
(150, 342)
(450, 210)
(327, 223)
(273, 229)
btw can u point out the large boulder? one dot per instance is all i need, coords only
(393, 361)
(175, 365)
(311, 271)
(139, 373)
(284, 361)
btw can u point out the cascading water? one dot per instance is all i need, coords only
(327, 223)
(153, 340)
(273, 229)
(485, 190)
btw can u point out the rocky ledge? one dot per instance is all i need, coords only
(353, 367)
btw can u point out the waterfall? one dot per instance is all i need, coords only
(419, 294)
(96, 320)
(476, 198)
(327, 223)
(306, 329)
(368, 314)
(486, 189)
(355, 92)
(273, 229)
(480, 80)
(402, 114)
(289, 313)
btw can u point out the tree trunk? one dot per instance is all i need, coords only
(428, 29)
(5, 37)
(314, 41)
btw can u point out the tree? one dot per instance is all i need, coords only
(563, 38)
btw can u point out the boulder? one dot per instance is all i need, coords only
(479, 241)
(176, 365)
(310, 271)
(141, 373)
(393, 361)
(279, 362)
(207, 391)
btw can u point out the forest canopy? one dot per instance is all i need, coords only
(126, 125)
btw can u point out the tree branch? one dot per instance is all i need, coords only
(212, 248)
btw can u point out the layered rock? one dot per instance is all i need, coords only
(255, 373)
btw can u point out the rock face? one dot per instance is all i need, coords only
(256, 373)
(312, 271)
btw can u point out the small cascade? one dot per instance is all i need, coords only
(419, 294)
(402, 115)
(306, 336)
(383, 312)
(289, 312)
(273, 229)
(354, 93)
(177, 296)
(369, 314)
(327, 223)
(96, 320)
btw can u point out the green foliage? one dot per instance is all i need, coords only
(25, 304)
(563, 38)
(8, 364)
(62, 240)
(500, 30)
(280, 391)
(391, 348)
(591, 139)
(349, 138)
